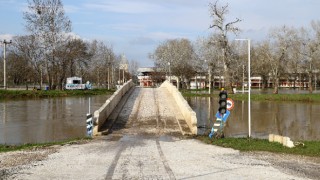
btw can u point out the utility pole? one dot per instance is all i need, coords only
(109, 72)
(249, 86)
(4, 63)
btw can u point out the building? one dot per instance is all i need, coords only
(150, 77)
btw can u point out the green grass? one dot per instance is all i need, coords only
(256, 97)
(278, 97)
(7, 148)
(16, 94)
(310, 148)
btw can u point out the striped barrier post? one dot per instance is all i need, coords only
(89, 125)
(219, 123)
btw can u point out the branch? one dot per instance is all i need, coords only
(229, 25)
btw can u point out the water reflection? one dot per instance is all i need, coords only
(299, 121)
(45, 120)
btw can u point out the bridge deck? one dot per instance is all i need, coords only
(147, 111)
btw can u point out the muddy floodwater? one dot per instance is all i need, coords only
(45, 120)
(56, 119)
(297, 120)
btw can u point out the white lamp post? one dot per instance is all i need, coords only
(4, 63)
(249, 86)
(209, 74)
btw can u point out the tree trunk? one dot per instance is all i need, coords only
(310, 83)
(276, 86)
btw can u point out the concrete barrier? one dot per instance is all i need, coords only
(102, 114)
(188, 114)
(285, 141)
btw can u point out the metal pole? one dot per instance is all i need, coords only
(249, 87)
(209, 79)
(242, 79)
(122, 76)
(4, 63)
(108, 78)
(4, 66)
(249, 80)
(89, 104)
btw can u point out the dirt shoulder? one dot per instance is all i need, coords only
(302, 166)
(11, 162)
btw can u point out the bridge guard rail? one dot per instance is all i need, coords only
(188, 114)
(102, 114)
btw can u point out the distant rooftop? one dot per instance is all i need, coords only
(146, 69)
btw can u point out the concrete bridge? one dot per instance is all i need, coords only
(154, 111)
(146, 139)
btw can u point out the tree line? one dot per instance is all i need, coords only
(287, 52)
(50, 53)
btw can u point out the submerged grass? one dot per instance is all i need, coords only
(16, 94)
(310, 148)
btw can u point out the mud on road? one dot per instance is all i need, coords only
(148, 141)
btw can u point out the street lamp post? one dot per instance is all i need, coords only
(249, 86)
(109, 72)
(210, 79)
(209, 74)
(4, 63)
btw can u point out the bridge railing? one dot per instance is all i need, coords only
(102, 114)
(188, 114)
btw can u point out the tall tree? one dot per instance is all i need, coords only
(27, 49)
(73, 58)
(281, 39)
(179, 56)
(46, 20)
(311, 50)
(222, 28)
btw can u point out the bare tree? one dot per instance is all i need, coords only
(73, 59)
(104, 64)
(278, 56)
(27, 49)
(178, 55)
(220, 38)
(207, 56)
(311, 50)
(260, 61)
(46, 20)
(133, 67)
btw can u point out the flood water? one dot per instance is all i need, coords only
(297, 120)
(46, 120)
(56, 119)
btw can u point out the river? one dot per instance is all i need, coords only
(57, 119)
(46, 120)
(297, 120)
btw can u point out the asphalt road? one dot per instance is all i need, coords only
(148, 141)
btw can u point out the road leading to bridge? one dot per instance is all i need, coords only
(146, 142)
(150, 111)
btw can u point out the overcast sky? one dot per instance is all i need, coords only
(136, 27)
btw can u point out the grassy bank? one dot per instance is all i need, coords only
(16, 94)
(7, 148)
(257, 97)
(310, 148)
